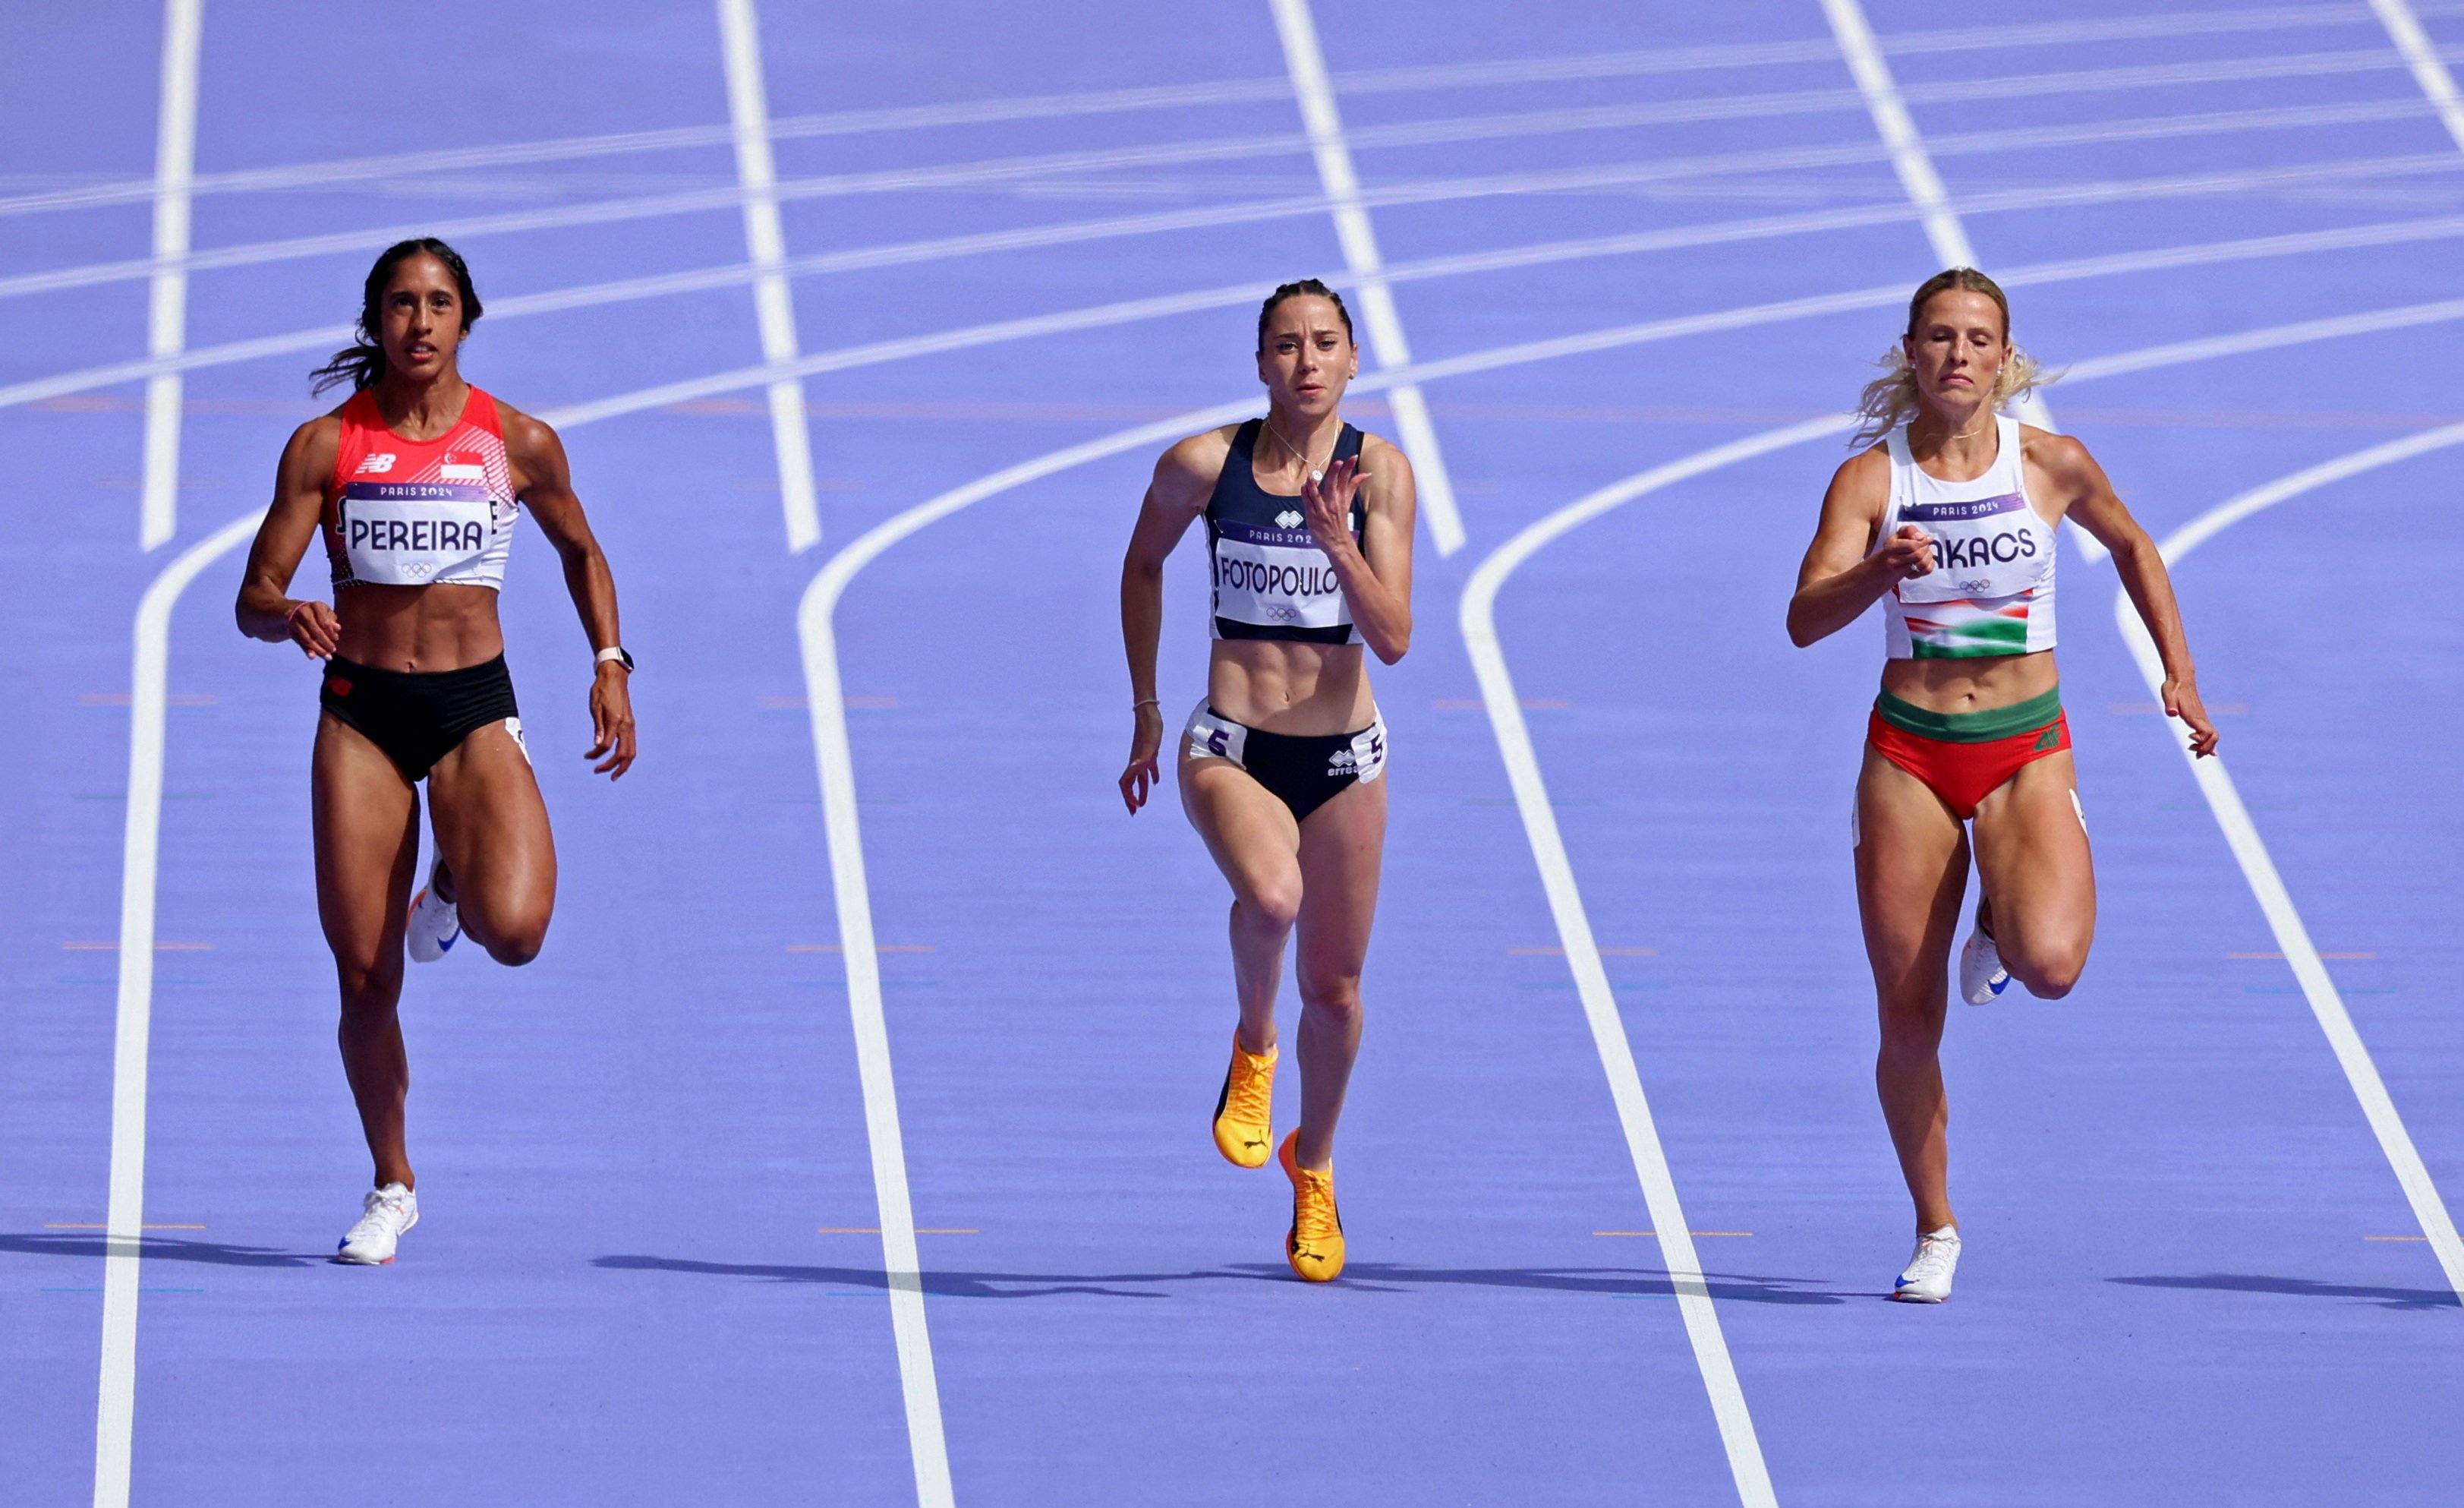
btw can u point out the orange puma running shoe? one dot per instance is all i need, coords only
(1315, 1245)
(1246, 1110)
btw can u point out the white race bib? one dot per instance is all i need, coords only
(407, 534)
(1275, 585)
(1985, 549)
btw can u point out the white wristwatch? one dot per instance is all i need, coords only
(616, 652)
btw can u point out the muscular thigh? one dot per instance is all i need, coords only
(1343, 847)
(1249, 831)
(365, 817)
(2032, 848)
(1911, 872)
(491, 822)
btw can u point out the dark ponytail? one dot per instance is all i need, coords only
(362, 363)
(1306, 288)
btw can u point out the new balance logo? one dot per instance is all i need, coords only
(376, 465)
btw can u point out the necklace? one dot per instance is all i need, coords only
(1315, 473)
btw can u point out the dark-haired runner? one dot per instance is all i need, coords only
(414, 485)
(1308, 532)
(1951, 524)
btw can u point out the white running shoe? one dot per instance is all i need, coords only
(435, 922)
(1928, 1279)
(384, 1215)
(1982, 978)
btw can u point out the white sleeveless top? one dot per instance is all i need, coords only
(1991, 587)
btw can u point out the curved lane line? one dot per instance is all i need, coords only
(1719, 232)
(835, 762)
(1442, 130)
(1385, 81)
(1479, 622)
(150, 672)
(1498, 697)
(2258, 868)
(835, 759)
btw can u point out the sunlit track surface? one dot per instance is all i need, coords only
(651, 1270)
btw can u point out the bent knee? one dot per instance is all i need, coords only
(2049, 973)
(518, 947)
(1274, 907)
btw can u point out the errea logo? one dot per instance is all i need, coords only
(376, 465)
(1289, 518)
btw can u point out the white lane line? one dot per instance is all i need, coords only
(834, 761)
(1479, 621)
(1500, 698)
(1428, 132)
(2391, 232)
(1306, 62)
(166, 314)
(1924, 185)
(2258, 868)
(2428, 63)
(774, 306)
(664, 284)
(150, 672)
(1386, 81)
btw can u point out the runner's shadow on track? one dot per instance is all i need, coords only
(1371, 1276)
(2303, 1287)
(1610, 1282)
(163, 1248)
(938, 1283)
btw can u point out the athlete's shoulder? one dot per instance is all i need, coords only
(2064, 457)
(1197, 457)
(1386, 472)
(317, 442)
(1868, 471)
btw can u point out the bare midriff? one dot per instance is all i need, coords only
(1287, 686)
(1975, 684)
(420, 628)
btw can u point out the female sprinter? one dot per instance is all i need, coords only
(1308, 534)
(1949, 524)
(414, 485)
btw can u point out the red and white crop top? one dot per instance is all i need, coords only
(420, 513)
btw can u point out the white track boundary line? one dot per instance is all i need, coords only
(166, 313)
(1014, 170)
(1944, 229)
(1498, 697)
(1479, 622)
(774, 305)
(834, 761)
(632, 289)
(1306, 62)
(149, 675)
(2258, 868)
(2428, 67)
(1385, 81)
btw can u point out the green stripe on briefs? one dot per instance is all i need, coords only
(1972, 727)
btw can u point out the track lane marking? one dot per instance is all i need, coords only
(1386, 81)
(1306, 62)
(1015, 170)
(140, 840)
(2389, 232)
(2427, 61)
(1478, 622)
(166, 308)
(2258, 868)
(765, 241)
